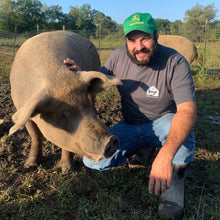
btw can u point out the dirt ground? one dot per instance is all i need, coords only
(203, 175)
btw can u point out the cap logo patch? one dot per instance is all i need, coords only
(136, 18)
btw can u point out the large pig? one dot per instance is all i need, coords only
(57, 103)
(181, 44)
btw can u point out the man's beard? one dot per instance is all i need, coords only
(150, 52)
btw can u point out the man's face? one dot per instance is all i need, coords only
(141, 47)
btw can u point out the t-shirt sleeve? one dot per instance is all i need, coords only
(182, 85)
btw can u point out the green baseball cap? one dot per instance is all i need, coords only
(140, 22)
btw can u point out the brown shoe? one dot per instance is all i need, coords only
(140, 158)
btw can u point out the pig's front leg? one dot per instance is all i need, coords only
(36, 144)
(66, 161)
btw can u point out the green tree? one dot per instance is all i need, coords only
(29, 14)
(53, 16)
(104, 24)
(198, 14)
(90, 21)
(84, 17)
(163, 26)
(8, 15)
(175, 27)
(195, 20)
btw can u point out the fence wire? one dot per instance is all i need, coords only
(206, 39)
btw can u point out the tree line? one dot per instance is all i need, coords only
(25, 15)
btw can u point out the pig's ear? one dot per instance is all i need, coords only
(28, 110)
(97, 81)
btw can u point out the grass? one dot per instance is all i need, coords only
(211, 61)
(44, 192)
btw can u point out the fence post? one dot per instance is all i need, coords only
(37, 28)
(100, 37)
(15, 35)
(204, 53)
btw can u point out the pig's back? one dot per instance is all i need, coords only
(40, 61)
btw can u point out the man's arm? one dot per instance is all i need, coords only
(181, 126)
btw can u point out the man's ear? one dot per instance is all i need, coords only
(156, 35)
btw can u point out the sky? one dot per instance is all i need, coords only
(119, 10)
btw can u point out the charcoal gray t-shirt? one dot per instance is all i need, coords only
(149, 92)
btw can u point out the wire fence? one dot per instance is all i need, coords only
(206, 39)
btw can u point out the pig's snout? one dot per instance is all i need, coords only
(111, 146)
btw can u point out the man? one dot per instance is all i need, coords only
(159, 110)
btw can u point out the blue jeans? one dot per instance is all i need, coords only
(134, 137)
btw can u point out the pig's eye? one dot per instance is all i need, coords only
(61, 116)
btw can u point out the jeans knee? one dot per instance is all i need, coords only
(117, 159)
(161, 126)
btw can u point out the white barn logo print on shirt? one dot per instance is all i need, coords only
(152, 92)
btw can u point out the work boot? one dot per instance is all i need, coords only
(171, 203)
(140, 158)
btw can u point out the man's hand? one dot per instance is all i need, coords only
(161, 173)
(71, 65)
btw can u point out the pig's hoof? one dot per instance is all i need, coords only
(30, 162)
(66, 167)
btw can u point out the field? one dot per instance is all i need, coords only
(44, 192)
